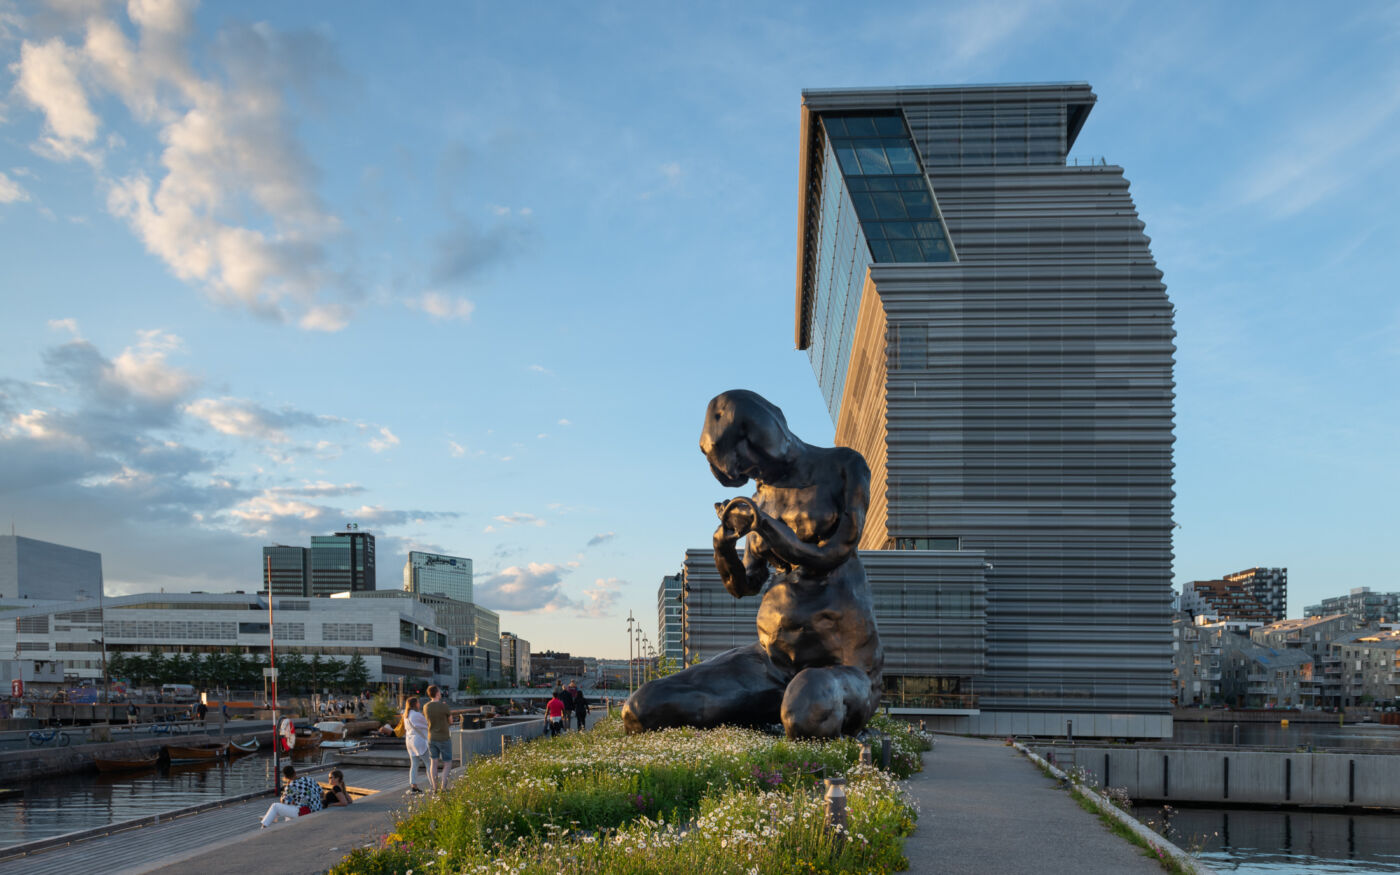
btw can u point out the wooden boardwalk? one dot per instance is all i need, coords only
(149, 846)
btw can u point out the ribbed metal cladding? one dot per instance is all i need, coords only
(1029, 413)
(930, 606)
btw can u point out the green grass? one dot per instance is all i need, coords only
(1120, 829)
(683, 800)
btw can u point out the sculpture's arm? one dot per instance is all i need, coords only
(741, 576)
(826, 554)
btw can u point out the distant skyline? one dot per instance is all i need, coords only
(467, 274)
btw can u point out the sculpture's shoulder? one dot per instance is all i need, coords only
(851, 463)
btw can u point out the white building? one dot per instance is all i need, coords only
(397, 638)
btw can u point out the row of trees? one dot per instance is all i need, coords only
(295, 673)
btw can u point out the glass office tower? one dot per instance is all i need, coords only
(342, 562)
(988, 327)
(447, 575)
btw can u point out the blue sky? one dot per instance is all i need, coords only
(467, 274)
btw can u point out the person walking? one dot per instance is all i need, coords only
(415, 739)
(439, 739)
(580, 702)
(554, 711)
(567, 696)
(300, 796)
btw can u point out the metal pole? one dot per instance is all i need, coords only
(272, 668)
(629, 653)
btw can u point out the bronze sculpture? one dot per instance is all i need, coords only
(816, 665)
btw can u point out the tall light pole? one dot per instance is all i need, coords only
(630, 621)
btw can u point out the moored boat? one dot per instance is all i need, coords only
(110, 764)
(307, 740)
(202, 753)
(240, 748)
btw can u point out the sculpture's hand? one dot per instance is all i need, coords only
(739, 515)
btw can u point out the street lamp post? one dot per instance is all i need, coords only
(629, 652)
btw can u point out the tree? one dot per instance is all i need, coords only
(293, 672)
(356, 675)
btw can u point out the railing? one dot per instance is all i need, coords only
(936, 701)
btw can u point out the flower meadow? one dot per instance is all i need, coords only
(716, 801)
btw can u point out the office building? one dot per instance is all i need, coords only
(397, 640)
(515, 660)
(988, 327)
(482, 657)
(342, 562)
(287, 570)
(433, 573)
(668, 620)
(32, 569)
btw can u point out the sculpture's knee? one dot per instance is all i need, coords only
(634, 712)
(813, 706)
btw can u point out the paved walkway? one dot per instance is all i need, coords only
(986, 810)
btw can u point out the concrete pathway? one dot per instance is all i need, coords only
(986, 810)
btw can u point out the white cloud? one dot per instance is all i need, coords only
(232, 207)
(565, 422)
(10, 191)
(48, 77)
(599, 601)
(440, 306)
(385, 440)
(70, 325)
(142, 368)
(537, 586)
(541, 369)
(672, 171)
(601, 538)
(456, 449)
(516, 519)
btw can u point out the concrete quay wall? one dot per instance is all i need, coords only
(1240, 776)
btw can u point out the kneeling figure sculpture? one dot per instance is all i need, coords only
(816, 665)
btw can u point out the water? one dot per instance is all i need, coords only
(1376, 737)
(1278, 842)
(54, 806)
(1284, 841)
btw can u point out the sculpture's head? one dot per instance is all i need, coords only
(745, 437)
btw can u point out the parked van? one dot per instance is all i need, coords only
(177, 692)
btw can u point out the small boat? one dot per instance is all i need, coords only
(332, 730)
(239, 748)
(105, 764)
(181, 754)
(307, 739)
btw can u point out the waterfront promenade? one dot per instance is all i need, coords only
(984, 808)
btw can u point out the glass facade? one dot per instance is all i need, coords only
(343, 562)
(432, 573)
(289, 569)
(878, 208)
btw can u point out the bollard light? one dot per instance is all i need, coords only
(865, 753)
(885, 752)
(1237, 735)
(836, 805)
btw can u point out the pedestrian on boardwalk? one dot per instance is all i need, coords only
(554, 711)
(300, 796)
(439, 739)
(566, 695)
(580, 705)
(132, 714)
(415, 739)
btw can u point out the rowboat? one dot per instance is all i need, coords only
(117, 765)
(332, 730)
(237, 749)
(180, 754)
(307, 740)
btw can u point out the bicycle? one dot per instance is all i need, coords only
(39, 738)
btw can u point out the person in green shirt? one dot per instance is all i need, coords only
(439, 738)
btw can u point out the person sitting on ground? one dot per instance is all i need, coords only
(336, 795)
(300, 796)
(555, 712)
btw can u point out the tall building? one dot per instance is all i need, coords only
(32, 569)
(342, 562)
(988, 327)
(668, 620)
(1269, 586)
(433, 573)
(288, 569)
(515, 660)
(1223, 600)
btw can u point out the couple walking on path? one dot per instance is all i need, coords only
(428, 739)
(567, 702)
